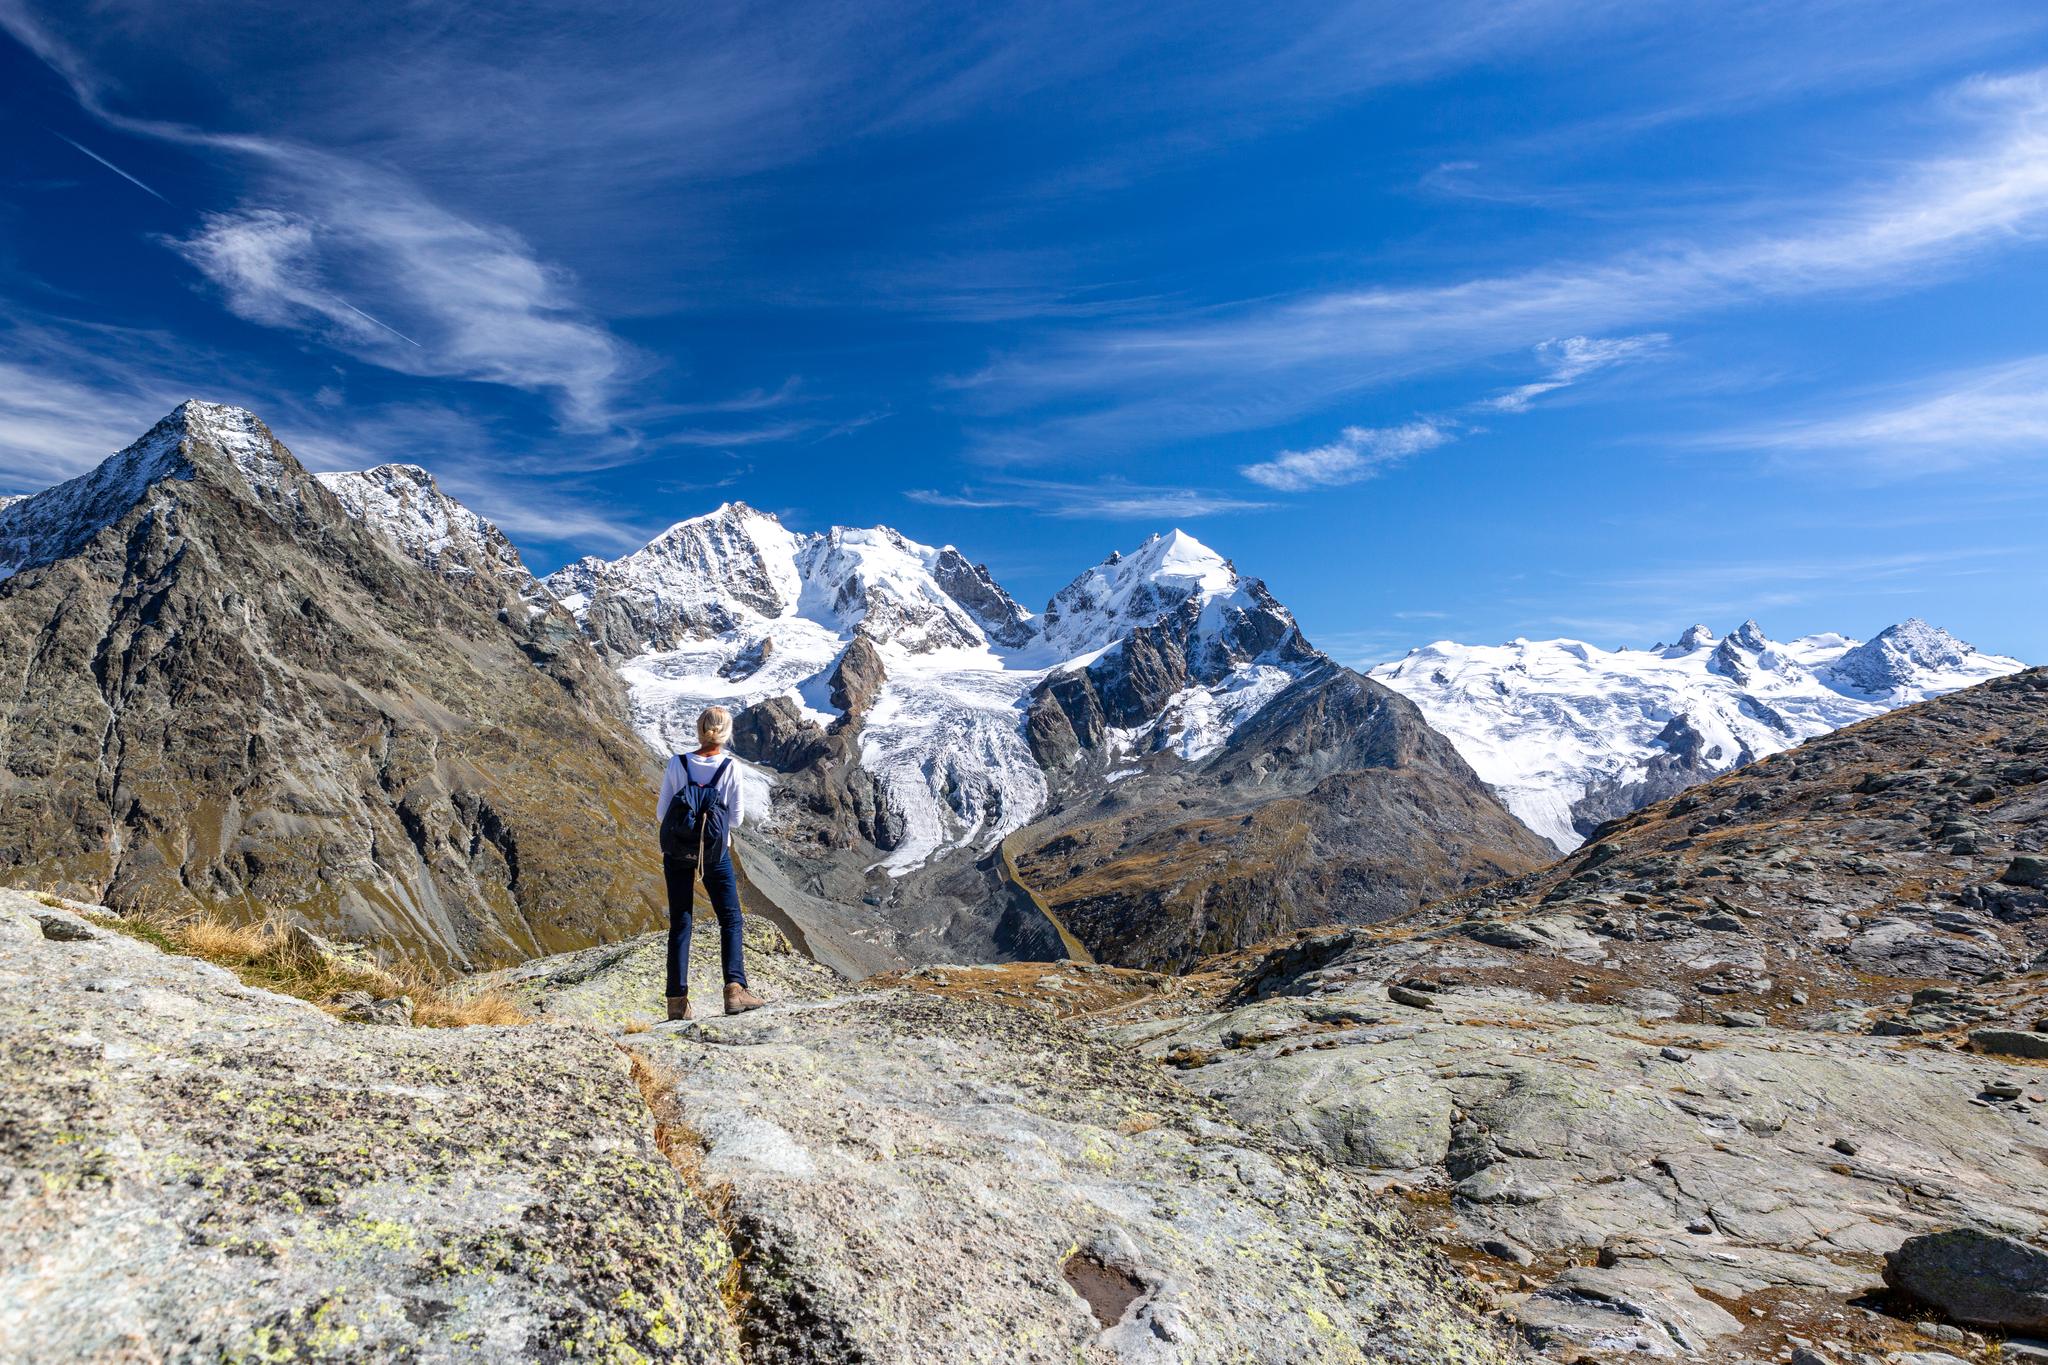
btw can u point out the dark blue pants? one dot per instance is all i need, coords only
(722, 886)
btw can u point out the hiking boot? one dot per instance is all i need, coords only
(738, 999)
(679, 1008)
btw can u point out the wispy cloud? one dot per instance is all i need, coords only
(1570, 359)
(1106, 500)
(72, 394)
(1191, 375)
(53, 428)
(1357, 453)
(321, 233)
(469, 301)
(137, 183)
(1991, 415)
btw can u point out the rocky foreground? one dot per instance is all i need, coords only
(194, 1169)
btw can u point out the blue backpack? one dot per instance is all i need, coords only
(695, 818)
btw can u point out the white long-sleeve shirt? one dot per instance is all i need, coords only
(727, 792)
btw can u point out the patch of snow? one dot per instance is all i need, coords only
(1199, 721)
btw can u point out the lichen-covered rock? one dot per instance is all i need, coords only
(193, 1169)
(916, 1179)
(1564, 1126)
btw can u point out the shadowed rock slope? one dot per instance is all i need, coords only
(222, 688)
(1336, 803)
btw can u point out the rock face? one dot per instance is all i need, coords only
(1976, 1277)
(193, 1169)
(1049, 1200)
(228, 690)
(1573, 735)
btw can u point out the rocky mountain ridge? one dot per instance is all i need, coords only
(1571, 734)
(229, 691)
(404, 502)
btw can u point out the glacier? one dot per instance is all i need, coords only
(1569, 733)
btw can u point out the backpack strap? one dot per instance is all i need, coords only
(714, 780)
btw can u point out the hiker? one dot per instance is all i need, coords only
(698, 809)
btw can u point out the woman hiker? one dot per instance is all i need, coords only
(708, 787)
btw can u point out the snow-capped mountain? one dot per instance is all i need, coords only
(405, 503)
(736, 567)
(734, 608)
(1570, 734)
(47, 526)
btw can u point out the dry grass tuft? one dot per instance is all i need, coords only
(269, 955)
(684, 1147)
(225, 943)
(637, 1026)
(486, 1009)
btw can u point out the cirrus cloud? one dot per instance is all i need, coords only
(1357, 453)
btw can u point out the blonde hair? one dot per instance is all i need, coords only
(714, 725)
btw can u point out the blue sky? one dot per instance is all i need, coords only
(1469, 320)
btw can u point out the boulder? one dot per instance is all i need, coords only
(2030, 870)
(2011, 1042)
(360, 1007)
(1976, 1277)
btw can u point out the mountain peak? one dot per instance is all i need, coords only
(1911, 655)
(228, 445)
(1144, 587)
(406, 503)
(1696, 636)
(1177, 555)
(1751, 636)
